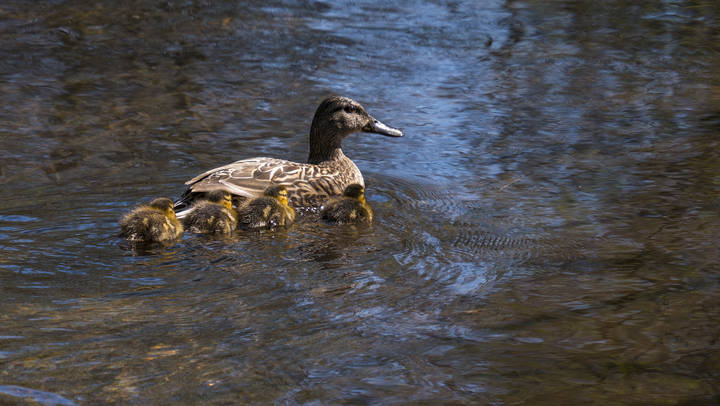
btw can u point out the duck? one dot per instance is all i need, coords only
(154, 222)
(269, 211)
(351, 208)
(212, 216)
(325, 174)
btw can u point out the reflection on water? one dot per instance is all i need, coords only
(544, 234)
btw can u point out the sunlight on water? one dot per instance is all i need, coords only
(545, 232)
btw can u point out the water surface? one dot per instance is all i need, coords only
(546, 232)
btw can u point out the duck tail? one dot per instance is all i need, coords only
(182, 204)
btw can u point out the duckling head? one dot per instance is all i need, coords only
(164, 205)
(336, 118)
(278, 192)
(355, 191)
(221, 197)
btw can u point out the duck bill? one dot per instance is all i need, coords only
(374, 126)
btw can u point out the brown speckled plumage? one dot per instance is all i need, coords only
(326, 174)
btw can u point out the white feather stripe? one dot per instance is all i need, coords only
(274, 170)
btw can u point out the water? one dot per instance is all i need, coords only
(546, 232)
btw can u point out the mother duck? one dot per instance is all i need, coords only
(327, 171)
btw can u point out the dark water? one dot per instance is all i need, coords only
(546, 232)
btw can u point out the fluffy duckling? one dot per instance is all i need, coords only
(268, 211)
(212, 216)
(152, 223)
(350, 208)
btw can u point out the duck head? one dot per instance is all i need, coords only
(278, 192)
(164, 205)
(336, 118)
(355, 191)
(221, 197)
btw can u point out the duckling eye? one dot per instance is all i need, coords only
(350, 109)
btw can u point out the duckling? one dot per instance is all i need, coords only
(152, 223)
(327, 171)
(212, 216)
(269, 211)
(350, 208)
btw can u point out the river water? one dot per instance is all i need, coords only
(546, 232)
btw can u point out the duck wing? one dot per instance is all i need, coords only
(249, 177)
(307, 184)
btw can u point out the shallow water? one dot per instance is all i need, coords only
(546, 232)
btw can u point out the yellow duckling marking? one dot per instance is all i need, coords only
(350, 208)
(212, 216)
(268, 211)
